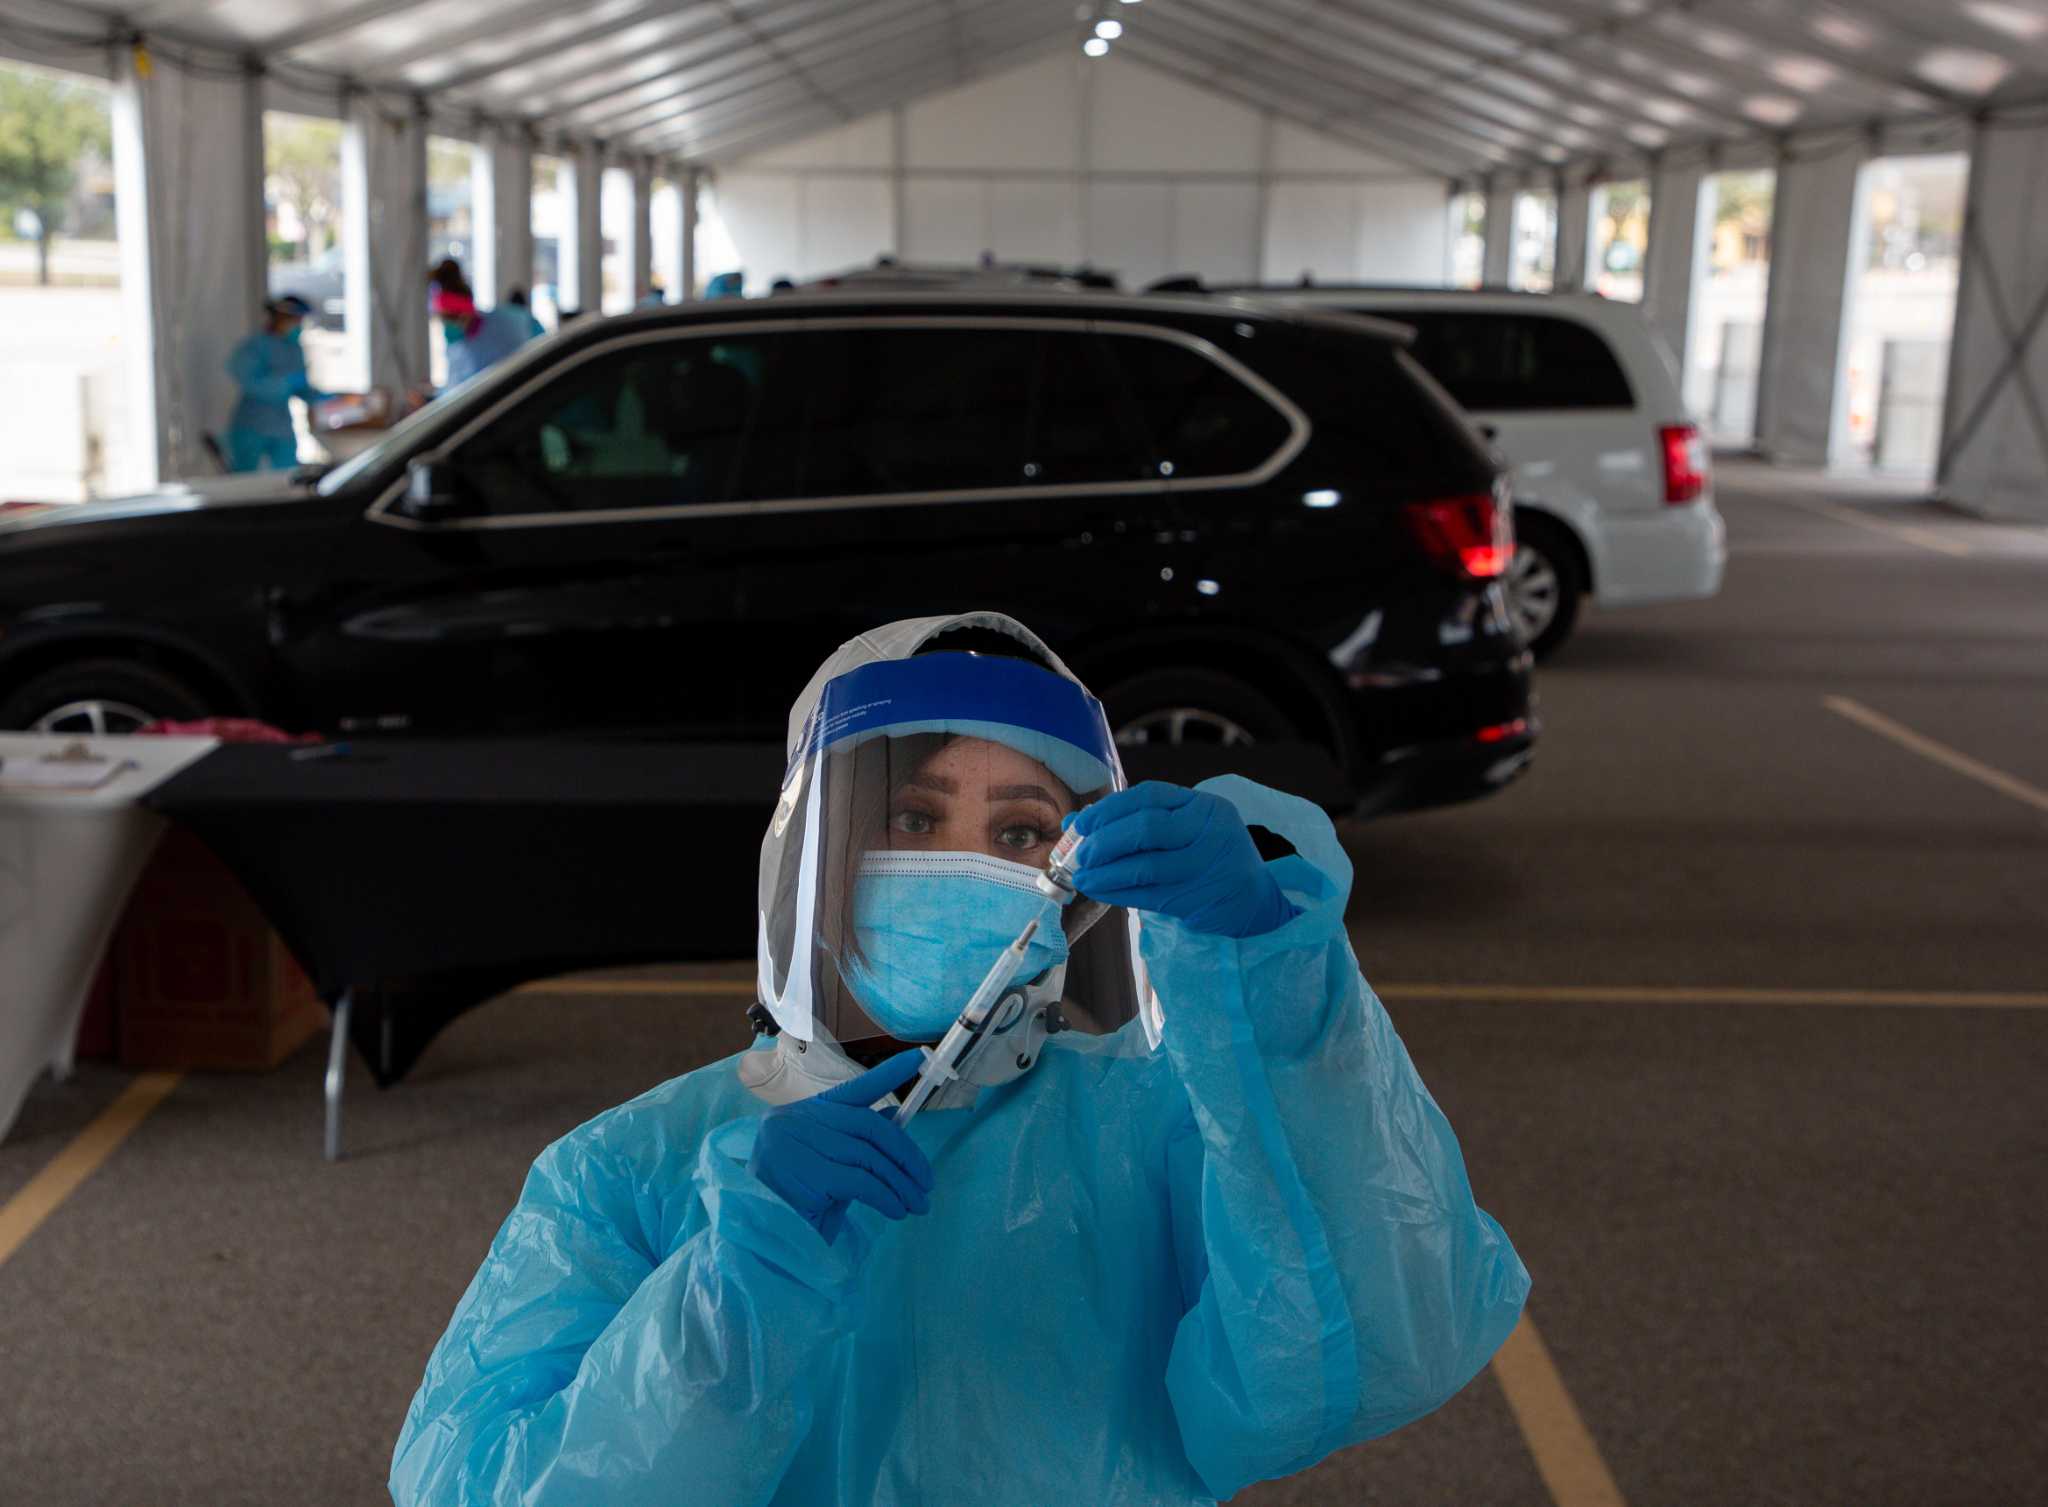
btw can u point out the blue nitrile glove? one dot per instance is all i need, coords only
(820, 1154)
(1180, 853)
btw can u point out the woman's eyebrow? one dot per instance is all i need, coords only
(934, 782)
(1020, 793)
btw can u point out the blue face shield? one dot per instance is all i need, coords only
(929, 925)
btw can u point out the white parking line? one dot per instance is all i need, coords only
(1997, 779)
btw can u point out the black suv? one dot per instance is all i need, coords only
(1241, 526)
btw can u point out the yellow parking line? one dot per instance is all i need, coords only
(1533, 994)
(22, 1214)
(1566, 1456)
(1940, 753)
(1924, 538)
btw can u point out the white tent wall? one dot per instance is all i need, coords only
(587, 218)
(1498, 259)
(384, 236)
(689, 204)
(1995, 440)
(1574, 231)
(1814, 220)
(504, 214)
(1674, 263)
(188, 164)
(1107, 163)
(641, 260)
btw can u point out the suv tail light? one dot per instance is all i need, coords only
(1685, 462)
(1471, 535)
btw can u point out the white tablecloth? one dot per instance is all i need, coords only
(67, 862)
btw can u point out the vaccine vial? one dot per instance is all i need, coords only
(1057, 882)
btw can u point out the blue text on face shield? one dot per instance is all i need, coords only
(930, 925)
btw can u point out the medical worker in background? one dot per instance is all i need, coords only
(1190, 1221)
(270, 368)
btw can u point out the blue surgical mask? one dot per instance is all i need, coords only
(930, 927)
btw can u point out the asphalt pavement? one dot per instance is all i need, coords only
(1736, 1002)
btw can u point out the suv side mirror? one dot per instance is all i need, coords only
(433, 491)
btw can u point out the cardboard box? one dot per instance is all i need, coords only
(202, 980)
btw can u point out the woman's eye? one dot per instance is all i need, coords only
(1021, 838)
(912, 823)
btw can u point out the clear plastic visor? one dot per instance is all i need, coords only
(915, 821)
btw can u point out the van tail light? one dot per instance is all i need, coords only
(1470, 535)
(1685, 463)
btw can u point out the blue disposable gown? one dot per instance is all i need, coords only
(498, 333)
(1145, 1277)
(271, 371)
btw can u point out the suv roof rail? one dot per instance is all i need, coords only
(1187, 284)
(1086, 274)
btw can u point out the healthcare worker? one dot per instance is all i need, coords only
(270, 368)
(1190, 1221)
(477, 340)
(515, 298)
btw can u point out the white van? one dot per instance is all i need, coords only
(1614, 494)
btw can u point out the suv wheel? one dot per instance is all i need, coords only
(1193, 706)
(1543, 583)
(98, 696)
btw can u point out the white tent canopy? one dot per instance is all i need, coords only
(1459, 87)
(1489, 95)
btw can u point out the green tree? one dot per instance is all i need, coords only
(302, 161)
(46, 127)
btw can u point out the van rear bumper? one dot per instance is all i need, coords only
(1677, 554)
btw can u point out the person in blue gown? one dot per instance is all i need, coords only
(1188, 1221)
(477, 340)
(270, 368)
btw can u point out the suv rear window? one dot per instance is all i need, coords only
(1202, 420)
(1378, 414)
(916, 408)
(1503, 362)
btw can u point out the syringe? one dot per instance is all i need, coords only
(969, 1032)
(956, 1049)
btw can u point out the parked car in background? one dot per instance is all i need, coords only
(1613, 487)
(320, 282)
(1248, 528)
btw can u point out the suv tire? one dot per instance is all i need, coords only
(1194, 706)
(1544, 582)
(122, 689)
